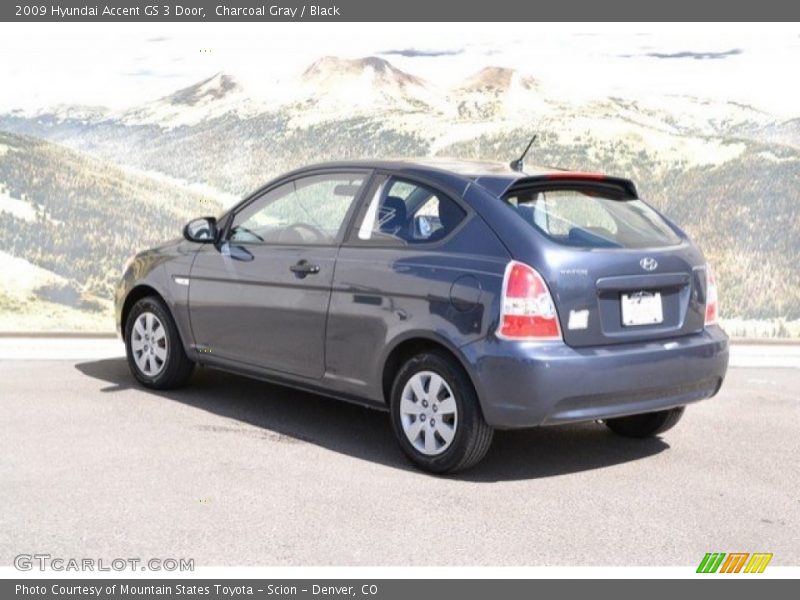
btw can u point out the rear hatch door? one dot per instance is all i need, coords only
(618, 270)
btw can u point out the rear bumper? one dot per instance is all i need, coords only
(528, 384)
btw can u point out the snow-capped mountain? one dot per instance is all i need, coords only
(331, 72)
(214, 97)
(499, 93)
(340, 101)
(498, 80)
(334, 88)
(328, 88)
(332, 85)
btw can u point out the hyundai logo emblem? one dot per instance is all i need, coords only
(648, 263)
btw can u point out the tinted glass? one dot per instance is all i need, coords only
(592, 218)
(310, 210)
(409, 213)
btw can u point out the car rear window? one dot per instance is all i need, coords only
(592, 216)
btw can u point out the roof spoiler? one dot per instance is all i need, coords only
(626, 186)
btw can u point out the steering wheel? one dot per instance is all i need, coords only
(318, 235)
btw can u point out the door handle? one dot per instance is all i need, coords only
(303, 268)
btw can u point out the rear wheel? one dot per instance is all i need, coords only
(435, 414)
(646, 425)
(153, 346)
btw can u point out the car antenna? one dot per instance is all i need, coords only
(519, 164)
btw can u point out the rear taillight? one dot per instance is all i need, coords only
(712, 300)
(527, 310)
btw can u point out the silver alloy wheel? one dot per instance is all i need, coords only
(149, 344)
(428, 413)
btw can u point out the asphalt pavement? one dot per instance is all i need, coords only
(230, 471)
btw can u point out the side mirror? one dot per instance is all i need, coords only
(202, 230)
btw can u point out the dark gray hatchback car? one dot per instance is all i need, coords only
(462, 297)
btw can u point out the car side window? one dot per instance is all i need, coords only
(411, 213)
(306, 211)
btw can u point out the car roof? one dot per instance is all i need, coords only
(495, 177)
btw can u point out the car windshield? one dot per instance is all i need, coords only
(591, 217)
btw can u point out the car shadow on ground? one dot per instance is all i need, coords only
(366, 434)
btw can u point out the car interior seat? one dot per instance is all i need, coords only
(450, 215)
(394, 217)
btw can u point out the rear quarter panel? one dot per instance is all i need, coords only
(385, 296)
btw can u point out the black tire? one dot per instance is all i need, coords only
(472, 436)
(647, 424)
(176, 368)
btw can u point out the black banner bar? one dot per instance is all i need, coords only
(397, 11)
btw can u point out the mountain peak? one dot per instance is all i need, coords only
(216, 87)
(213, 97)
(497, 79)
(383, 72)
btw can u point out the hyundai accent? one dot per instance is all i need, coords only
(461, 297)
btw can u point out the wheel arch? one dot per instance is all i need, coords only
(411, 345)
(136, 293)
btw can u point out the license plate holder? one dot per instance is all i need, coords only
(641, 308)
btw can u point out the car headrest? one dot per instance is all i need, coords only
(393, 214)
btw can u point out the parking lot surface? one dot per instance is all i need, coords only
(230, 471)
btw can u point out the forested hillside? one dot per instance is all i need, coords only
(80, 217)
(726, 172)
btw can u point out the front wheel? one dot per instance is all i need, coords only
(646, 425)
(153, 346)
(435, 414)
